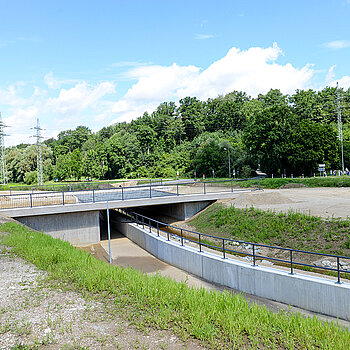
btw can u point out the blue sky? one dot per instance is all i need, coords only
(93, 63)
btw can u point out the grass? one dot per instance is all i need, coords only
(290, 230)
(330, 181)
(220, 320)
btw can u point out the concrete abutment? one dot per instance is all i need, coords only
(82, 228)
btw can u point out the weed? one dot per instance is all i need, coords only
(219, 319)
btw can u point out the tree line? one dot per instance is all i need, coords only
(281, 134)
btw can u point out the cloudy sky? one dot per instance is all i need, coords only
(93, 63)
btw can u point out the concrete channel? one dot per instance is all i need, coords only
(126, 253)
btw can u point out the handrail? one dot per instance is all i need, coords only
(225, 249)
(35, 199)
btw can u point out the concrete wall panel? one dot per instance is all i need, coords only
(305, 291)
(76, 228)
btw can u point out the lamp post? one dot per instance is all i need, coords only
(229, 161)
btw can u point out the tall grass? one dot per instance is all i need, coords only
(219, 319)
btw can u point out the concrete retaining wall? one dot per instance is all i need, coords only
(77, 228)
(305, 291)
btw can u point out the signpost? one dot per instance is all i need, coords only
(322, 168)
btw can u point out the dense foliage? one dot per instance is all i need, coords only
(279, 133)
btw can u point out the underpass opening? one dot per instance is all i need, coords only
(114, 233)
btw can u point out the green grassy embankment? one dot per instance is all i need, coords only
(290, 230)
(220, 320)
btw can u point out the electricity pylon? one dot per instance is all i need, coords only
(39, 153)
(340, 129)
(3, 171)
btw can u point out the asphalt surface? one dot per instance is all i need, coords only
(121, 194)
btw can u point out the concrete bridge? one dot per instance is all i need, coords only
(75, 216)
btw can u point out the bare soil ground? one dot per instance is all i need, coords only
(320, 201)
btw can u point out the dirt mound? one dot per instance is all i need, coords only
(260, 198)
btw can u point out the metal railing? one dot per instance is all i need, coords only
(66, 187)
(88, 195)
(224, 245)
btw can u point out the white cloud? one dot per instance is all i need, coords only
(337, 44)
(69, 108)
(330, 75)
(11, 95)
(254, 70)
(79, 97)
(203, 36)
(155, 84)
(343, 82)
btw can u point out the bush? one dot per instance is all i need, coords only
(31, 178)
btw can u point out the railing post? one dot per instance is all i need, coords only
(150, 190)
(200, 243)
(338, 267)
(62, 197)
(149, 224)
(122, 193)
(137, 219)
(31, 200)
(231, 185)
(10, 191)
(204, 187)
(253, 254)
(182, 238)
(167, 228)
(291, 262)
(177, 189)
(93, 196)
(223, 248)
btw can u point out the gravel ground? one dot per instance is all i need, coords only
(33, 313)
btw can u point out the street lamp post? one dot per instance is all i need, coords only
(229, 161)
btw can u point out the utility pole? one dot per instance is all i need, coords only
(3, 172)
(39, 152)
(340, 128)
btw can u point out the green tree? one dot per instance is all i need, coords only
(76, 164)
(268, 137)
(312, 144)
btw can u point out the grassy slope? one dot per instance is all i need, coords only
(219, 319)
(292, 230)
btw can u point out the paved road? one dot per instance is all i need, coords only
(102, 196)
